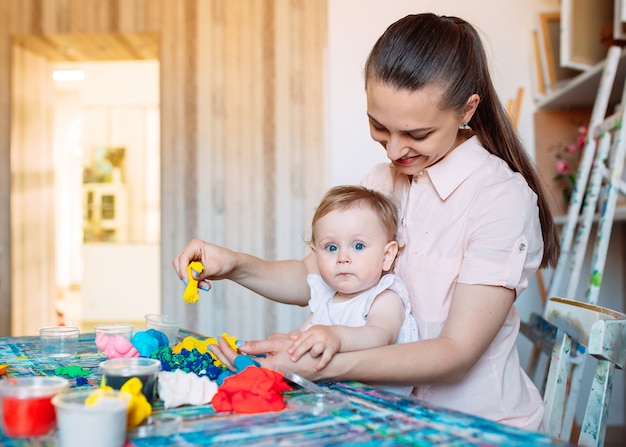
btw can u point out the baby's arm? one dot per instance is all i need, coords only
(381, 328)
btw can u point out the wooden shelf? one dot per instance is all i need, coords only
(580, 92)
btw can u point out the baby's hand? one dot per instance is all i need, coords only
(318, 341)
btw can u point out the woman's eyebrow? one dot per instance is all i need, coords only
(371, 118)
(418, 130)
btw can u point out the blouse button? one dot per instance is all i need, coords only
(522, 247)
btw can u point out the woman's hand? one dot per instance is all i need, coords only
(280, 281)
(218, 262)
(277, 358)
(269, 351)
(225, 353)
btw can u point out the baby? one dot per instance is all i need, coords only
(356, 302)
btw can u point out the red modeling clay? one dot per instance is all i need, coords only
(28, 417)
(254, 390)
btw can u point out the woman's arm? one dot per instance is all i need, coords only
(281, 281)
(476, 315)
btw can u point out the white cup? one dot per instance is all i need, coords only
(98, 424)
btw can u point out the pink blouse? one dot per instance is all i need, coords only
(470, 219)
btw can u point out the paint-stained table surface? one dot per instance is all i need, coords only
(373, 417)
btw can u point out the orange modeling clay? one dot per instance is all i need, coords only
(3, 369)
(191, 294)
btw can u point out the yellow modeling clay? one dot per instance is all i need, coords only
(190, 343)
(191, 294)
(138, 407)
(95, 396)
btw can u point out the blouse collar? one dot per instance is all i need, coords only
(455, 167)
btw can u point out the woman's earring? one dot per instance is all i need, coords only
(465, 126)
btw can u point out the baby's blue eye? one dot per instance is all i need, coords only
(331, 247)
(359, 246)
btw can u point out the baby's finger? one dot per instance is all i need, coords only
(326, 357)
(302, 348)
(298, 340)
(291, 348)
(317, 349)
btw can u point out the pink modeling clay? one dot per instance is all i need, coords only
(115, 346)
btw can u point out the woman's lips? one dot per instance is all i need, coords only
(405, 161)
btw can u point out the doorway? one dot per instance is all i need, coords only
(106, 181)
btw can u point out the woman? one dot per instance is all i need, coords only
(474, 226)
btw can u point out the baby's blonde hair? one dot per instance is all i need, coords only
(352, 196)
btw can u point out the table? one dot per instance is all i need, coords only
(374, 417)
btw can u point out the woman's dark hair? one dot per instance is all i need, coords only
(426, 49)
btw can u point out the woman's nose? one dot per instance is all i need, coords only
(396, 147)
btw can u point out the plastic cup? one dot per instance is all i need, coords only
(123, 329)
(97, 422)
(59, 341)
(116, 372)
(167, 324)
(27, 409)
(112, 330)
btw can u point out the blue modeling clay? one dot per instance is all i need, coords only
(160, 337)
(226, 373)
(145, 343)
(241, 362)
(202, 364)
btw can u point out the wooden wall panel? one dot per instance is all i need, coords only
(32, 198)
(5, 173)
(242, 134)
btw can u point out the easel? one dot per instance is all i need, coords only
(595, 195)
(513, 107)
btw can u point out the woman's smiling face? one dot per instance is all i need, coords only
(411, 127)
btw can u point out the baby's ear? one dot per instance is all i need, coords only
(391, 251)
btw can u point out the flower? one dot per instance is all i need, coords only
(563, 166)
(566, 161)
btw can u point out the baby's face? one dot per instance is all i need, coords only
(352, 250)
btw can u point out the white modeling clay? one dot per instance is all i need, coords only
(178, 388)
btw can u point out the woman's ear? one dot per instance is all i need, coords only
(391, 251)
(470, 108)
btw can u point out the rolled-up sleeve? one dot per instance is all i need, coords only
(504, 244)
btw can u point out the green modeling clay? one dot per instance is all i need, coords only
(72, 371)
